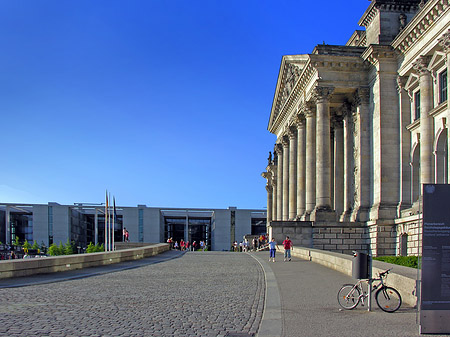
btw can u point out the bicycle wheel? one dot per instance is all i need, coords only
(388, 299)
(348, 296)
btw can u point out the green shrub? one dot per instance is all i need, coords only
(69, 247)
(54, 250)
(407, 261)
(26, 245)
(91, 248)
(35, 245)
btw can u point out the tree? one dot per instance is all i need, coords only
(26, 245)
(53, 250)
(69, 248)
(35, 245)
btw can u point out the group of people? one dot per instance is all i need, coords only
(186, 245)
(287, 245)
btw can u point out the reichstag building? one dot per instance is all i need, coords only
(360, 127)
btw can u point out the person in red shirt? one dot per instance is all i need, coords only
(287, 244)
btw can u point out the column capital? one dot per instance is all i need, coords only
(346, 109)
(420, 65)
(285, 141)
(310, 109)
(321, 94)
(361, 96)
(299, 121)
(278, 149)
(292, 132)
(444, 41)
(337, 121)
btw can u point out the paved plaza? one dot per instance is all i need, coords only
(193, 294)
(198, 294)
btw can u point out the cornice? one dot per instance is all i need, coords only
(420, 24)
(375, 52)
(386, 5)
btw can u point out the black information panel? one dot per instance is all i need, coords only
(436, 247)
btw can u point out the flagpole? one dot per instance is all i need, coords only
(114, 222)
(110, 222)
(106, 222)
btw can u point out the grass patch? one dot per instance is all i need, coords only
(407, 261)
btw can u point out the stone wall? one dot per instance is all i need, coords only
(409, 231)
(336, 237)
(27, 267)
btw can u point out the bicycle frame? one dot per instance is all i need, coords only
(370, 289)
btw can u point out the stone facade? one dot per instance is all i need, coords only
(359, 129)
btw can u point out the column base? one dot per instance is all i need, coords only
(402, 206)
(346, 215)
(360, 214)
(382, 211)
(306, 216)
(321, 214)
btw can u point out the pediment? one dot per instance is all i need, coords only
(413, 81)
(290, 71)
(437, 59)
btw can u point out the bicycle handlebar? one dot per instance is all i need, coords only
(385, 272)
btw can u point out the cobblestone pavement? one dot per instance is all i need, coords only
(199, 294)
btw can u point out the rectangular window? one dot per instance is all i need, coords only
(141, 226)
(443, 84)
(417, 105)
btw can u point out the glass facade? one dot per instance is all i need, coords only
(259, 226)
(141, 225)
(50, 225)
(21, 226)
(198, 229)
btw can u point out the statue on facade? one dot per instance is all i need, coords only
(402, 18)
(270, 158)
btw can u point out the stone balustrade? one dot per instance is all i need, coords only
(27, 267)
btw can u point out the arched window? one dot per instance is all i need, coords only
(441, 158)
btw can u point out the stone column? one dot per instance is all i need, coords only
(426, 122)
(348, 164)
(362, 155)
(301, 166)
(444, 41)
(285, 142)
(293, 135)
(274, 198)
(405, 146)
(323, 165)
(338, 164)
(310, 182)
(269, 189)
(279, 152)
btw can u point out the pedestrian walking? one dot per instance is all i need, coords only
(287, 244)
(273, 249)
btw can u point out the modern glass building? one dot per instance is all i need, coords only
(85, 223)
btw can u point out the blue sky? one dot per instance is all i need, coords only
(163, 103)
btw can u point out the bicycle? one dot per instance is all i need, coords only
(388, 299)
